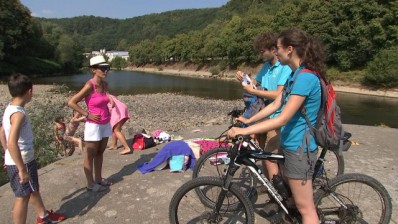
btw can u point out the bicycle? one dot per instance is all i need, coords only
(339, 200)
(215, 161)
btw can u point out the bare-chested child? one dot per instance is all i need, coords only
(65, 133)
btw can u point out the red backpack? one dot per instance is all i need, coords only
(142, 141)
(328, 130)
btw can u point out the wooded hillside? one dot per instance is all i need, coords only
(356, 33)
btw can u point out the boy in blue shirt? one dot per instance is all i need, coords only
(272, 77)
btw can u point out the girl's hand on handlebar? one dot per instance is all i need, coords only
(234, 132)
(242, 119)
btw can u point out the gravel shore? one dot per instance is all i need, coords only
(168, 112)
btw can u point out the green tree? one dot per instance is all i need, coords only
(118, 63)
(352, 30)
(141, 53)
(69, 53)
(382, 71)
(16, 28)
(212, 43)
(232, 38)
(122, 45)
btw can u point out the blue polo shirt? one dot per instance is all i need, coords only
(307, 84)
(271, 77)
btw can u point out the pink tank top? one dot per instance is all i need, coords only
(97, 103)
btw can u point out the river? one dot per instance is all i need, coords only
(356, 109)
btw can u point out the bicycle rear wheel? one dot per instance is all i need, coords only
(364, 200)
(333, 166)
(187, 207)
(215, 163)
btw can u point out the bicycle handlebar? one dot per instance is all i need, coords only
(235, 113)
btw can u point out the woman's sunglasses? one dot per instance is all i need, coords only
(104, 68)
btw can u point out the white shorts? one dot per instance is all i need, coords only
(96, 132)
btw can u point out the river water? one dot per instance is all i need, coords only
(356, 109)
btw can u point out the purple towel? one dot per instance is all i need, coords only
(169, 150)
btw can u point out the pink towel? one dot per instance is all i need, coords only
(119, 112)
(156, 133)
(206, 145)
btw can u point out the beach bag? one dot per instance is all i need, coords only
(142, 141)
(328, 130)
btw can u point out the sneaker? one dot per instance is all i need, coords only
(52, 217)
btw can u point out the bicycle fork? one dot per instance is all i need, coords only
(232, 168)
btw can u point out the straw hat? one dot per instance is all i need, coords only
(98, 61)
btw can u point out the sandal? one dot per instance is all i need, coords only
(96, 188)
(105, 182)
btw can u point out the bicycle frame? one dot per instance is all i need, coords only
(245, 151)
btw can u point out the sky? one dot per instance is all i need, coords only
(118, 9)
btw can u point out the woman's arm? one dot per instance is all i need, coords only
(265, 112)
(111, 101)
(292, 106)
(268, 94)
(73, 102)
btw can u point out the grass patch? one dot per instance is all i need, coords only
(355, 76)
(42, 111)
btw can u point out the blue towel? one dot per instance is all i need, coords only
(170, 149)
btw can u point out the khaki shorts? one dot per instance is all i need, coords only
(273, 141)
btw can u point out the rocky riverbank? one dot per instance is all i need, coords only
(168, 112)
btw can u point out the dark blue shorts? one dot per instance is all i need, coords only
(23, 190)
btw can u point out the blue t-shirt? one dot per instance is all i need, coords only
(271, 77)
(292, 134)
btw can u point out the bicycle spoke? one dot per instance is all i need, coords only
(354, 200)
(189, 208)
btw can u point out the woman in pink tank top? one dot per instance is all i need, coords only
(97, 128)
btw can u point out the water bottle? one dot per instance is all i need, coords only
(280, 186)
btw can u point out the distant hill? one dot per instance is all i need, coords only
(99, 32)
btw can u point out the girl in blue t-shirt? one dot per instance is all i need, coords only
(299, 51)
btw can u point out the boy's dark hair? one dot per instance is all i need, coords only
(19, 84)
(265, 40)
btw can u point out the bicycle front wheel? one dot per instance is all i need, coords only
(353, 198)
(187, 207)
(215, 163)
